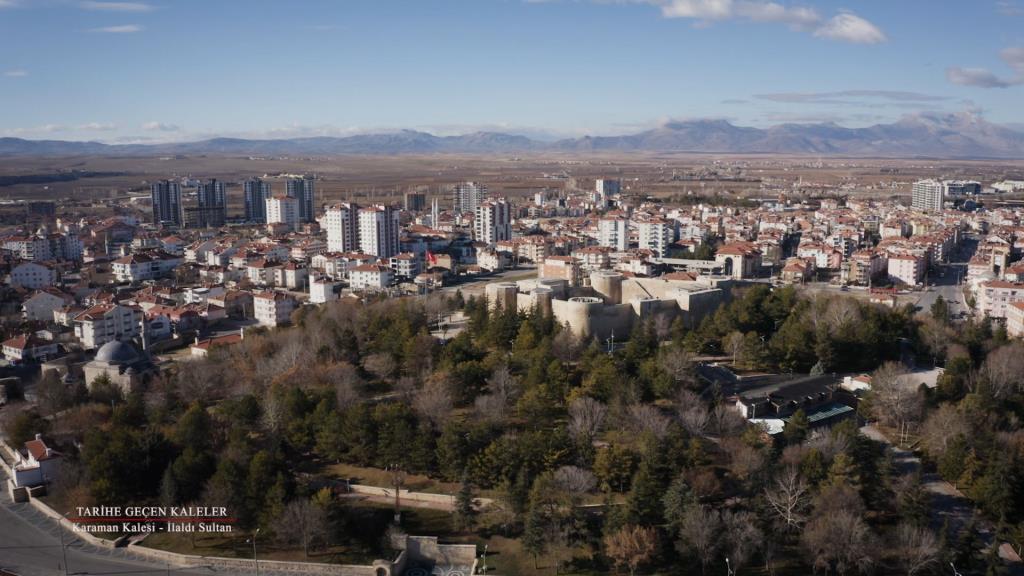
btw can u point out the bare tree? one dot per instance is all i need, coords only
(941, 428)
(935, 337)
(566, 346)
(434, 402)
(699, 533)
(678, 364)
(631, 546)
(822, 538)
(918, 549)
(302, 522)
(734, 344)
(894, 400)
(346, 381)
(727, 422)
(693, 414)
(382, 366)
(742, 535)
(788, 498)
(1003, 370)
(745, 461)
(586, 416)
(840, 313)
(575, 480)
(647, 418)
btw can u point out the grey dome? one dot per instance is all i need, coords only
(116, 352)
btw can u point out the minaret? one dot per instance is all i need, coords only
(435, 213)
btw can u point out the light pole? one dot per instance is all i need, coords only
(254, 560)
(63, 549)
(728, 568)
(484, 570)
(955, 572)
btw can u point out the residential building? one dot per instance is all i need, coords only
(739, 260)
(104, 323)
(1015, 319)
(995, 297)
(466, 197)
(37, 466)
(304, 190)
(927, 195)
(273, 308)
(33, 275)
(906, 269)
(256, 192)
(342, 224)
(322, 290)
(406, 265)
(379, 229)
(40, 306)
(613, 232)
(144, 266)
(370, 277)
(167, 208)
(415, 201)
(656, 235)
(492, 222)
(29, 348)
(211, 208)
(284, 210)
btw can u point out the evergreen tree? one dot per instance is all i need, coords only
(795, 431)
(465, 512)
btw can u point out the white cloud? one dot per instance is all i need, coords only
(122, 29)
(16, 73)
(1009, 8)
(97, 127)
(118, 6)
(8, 3)
(844, 27)
(160, 127)
(849, 27)
(985, 78)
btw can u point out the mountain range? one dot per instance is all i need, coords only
(961, 135)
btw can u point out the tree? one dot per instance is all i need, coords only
(465, 506)
(788, 496)
(892, 400)
(614, 467)
(742, 535)
(302, 523)
(941, 428)
(1003, 370)
(586, 416)
(24, 427)
(52, 393)
(631, 546)
(434, 402)
(940, 310)
(825, 532)
(917, 547)
(796, 427)
(699, 533)
(677, 500)
(534, 539)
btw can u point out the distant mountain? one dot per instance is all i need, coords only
(963, 135)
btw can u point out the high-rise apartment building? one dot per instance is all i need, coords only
(342, 224)
(613, 232)
(211, 206)
(656, 235)
(492, 222)
(304, 190)
(256, 194)
(927, 195)
(283, 209)
(415, 201)
(167, 203)
(467, 196)
(379, 227)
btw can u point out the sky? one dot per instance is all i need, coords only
(174, 70)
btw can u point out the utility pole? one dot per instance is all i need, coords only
(254, 560)
(63, 549)
(397, 480)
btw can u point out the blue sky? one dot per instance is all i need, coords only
(159, 70)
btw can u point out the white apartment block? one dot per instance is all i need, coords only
(342, 224)
(105, 323)
(273, 308)
(322, 290)
(370, 277)
(405, 265)
(995, 297)
(613, 232)
(927, 195)
(906, 269)
(45, 247)
(283, 209)
(492, 222)
(379, 229)
(656, 235)
(1015, 320)
(140, 267)
(33, 276)
(466, 197)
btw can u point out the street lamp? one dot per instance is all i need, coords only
(728, 569)
(955, 572)
(254, 560)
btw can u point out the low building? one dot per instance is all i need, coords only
(995, 297)
(29, 348)
(273, 308)
(37, 465)
(120, 363)
(371, 277)
(906, 269)
(33, 275)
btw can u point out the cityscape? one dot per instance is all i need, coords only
(779, 330)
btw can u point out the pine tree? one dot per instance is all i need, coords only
(843, 472)
(465, 512)
(796, 427)
(534, 540)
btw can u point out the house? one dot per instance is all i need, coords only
(40, 306)
(798, 271)
(739, 260)
(202, 348)
(29, 348)
(273, 308)
(1015, 320)
(406, 265)
(144, 266)
(369, 277)
(33, 275)
(37, 465)
(995, 297)
(322, 290)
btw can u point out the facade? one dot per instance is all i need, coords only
(40, 247)
(656, 235)
(322, 290)
(40, 306)
(371, 277)
(406, 265)
(906, 269)
(954, 188)
(1015, 320)
(995, 297)
(379, 229)
(927, 195)
(273, 308)
(167, 209)
(561, 268)
(415, 201)
(492, 222)
(739, 260)
(613, 232)
(33, 275)
(342, 224)
(304, 191)
(104, 323)
(29, 348)
(144, 266)
(37, 466)
(211, 208)
(466, 197)
(283, 210)
(604, 188)
(256, 194)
